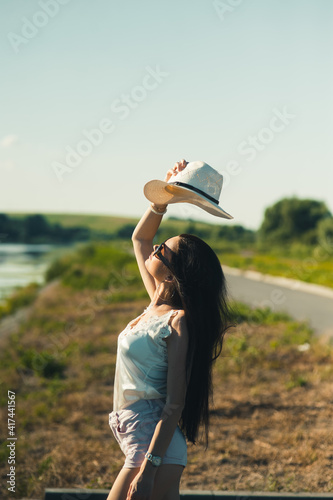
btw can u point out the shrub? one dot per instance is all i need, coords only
(43, 363)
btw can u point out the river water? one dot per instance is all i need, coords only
(22, 263)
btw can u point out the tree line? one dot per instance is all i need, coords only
(36, 229)
(290, 220)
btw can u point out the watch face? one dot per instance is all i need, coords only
(156, 461)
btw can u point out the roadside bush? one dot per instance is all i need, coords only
(42, 363)
(22, 297)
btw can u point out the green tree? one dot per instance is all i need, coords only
(236, 233)
(292, 219)
(36, 227)
(4, 227)
(126, 231)
(325, 234)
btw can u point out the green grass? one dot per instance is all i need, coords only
(42, 363)
(22, 297)
(63, 379)
(310, 269)
(96, 266)
(312, 264)
(265, 316)
(112, 267)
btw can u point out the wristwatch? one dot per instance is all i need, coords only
(154, 459)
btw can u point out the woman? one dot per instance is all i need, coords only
(163, 377)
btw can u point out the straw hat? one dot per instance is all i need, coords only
(198, 183)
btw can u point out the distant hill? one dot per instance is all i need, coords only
(57, 227)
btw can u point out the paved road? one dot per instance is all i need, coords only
(301, 305)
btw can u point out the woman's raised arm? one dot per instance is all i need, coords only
(142, 239)
(145, 231)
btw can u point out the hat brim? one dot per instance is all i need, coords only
(163, 193)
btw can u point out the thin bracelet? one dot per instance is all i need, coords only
(156, 212)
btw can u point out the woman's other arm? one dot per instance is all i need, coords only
(176, 391)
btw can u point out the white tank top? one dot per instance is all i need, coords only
(142, 360)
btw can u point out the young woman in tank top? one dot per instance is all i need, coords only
(163, 378)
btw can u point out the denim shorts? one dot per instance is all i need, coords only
(133, 428)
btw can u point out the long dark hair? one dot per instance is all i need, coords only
(200, 289)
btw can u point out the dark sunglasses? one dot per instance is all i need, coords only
(158, 253)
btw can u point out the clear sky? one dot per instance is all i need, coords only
(246, 86)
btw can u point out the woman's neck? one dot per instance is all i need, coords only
(160, 304)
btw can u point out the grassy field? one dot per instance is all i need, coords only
(107, 222)
(96, 222)
(313, 264)
(308, 269)
(272, 412)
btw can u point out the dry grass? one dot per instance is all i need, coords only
(271, 426)
(271, 423)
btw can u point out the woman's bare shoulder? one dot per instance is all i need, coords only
(178, 322)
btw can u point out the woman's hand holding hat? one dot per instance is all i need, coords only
(195, 182)
(178, 167)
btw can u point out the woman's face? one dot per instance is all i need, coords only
(156, 267)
